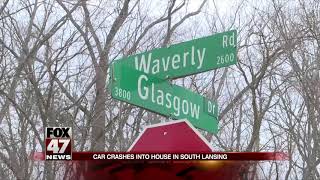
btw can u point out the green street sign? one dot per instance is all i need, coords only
(143, 79)
(187, 58)
(158, 95)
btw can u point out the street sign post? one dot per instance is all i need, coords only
(177, 136)
(158, 95)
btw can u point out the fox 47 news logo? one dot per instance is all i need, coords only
(58, 143)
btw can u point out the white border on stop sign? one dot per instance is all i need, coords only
(168, 123)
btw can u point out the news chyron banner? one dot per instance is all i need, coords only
(58, 143)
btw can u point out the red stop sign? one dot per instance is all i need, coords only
(175, 136)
